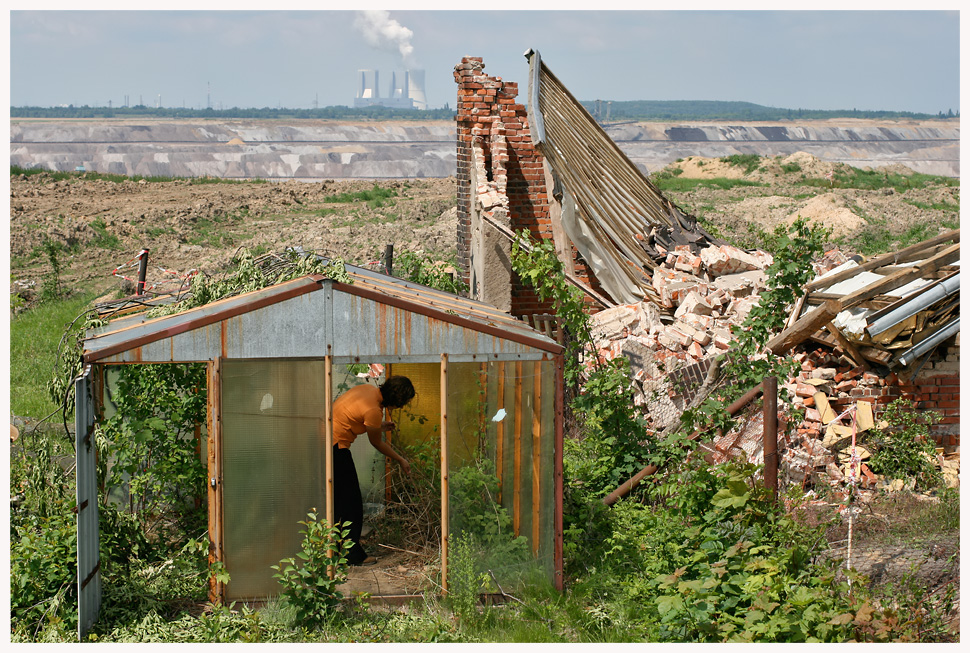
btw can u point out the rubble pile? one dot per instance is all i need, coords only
(671, 346)
(707, 293)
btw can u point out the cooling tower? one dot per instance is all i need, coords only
(399, 85)
(415, 85)
(367, 88)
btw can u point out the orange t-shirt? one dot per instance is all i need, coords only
(354, 412)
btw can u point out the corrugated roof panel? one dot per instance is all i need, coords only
(376, 315)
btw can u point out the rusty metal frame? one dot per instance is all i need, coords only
(206, 317)
(445, 521)
(217, 590)
(558, 472)
(429, 311)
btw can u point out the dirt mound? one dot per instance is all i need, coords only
(829, 211)
(698, 167)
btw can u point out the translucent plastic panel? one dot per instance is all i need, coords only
(419, 422)
(273, 466)
(501, 431)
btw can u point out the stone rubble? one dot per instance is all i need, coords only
(706, 296)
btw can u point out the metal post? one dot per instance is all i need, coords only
(142, 272)
(770, 385)
(389, 260)
(445, 525)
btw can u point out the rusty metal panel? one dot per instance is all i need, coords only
(365, 328)
(88, 534)
(299, 319)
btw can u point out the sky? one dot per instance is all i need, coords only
(866, 60)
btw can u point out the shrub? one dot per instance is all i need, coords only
(904, 450)
(311, 585)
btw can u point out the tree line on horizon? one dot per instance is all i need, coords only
(611, 112)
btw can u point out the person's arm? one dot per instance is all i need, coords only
(374, 435)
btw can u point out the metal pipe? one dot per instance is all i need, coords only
(932, 294)
(631, 483)
(142, 272)
(923, 347)
(770, 385)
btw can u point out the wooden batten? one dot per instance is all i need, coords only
(536, 451)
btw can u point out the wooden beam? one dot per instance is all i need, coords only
(901, 278)
(847, 346)
(869, 353)
(886, 259)
(217, 590)
(803, 327)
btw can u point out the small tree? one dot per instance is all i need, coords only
(311, 584)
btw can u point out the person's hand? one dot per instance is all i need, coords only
(405, 466)
(388, 425)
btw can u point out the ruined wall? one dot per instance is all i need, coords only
(500, 175)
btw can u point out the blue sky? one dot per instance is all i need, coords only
(880, 60)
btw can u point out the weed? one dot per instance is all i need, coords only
(750, 162)
(374, 197)
(104, 239)
(791, 168)
(51, 290)
(681, 184)
(904, 449)
(310, 585)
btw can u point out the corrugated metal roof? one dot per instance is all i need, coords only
(300, 328)
(620, 211)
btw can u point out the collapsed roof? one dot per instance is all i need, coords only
(610, 211)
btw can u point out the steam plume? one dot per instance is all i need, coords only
(383, 32)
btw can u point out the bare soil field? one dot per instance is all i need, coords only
(186, 225)
(190, 226)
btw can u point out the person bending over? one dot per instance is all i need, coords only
(357, 411)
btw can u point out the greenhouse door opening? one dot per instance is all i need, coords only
(495, 487)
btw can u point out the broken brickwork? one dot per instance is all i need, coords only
(500, 178)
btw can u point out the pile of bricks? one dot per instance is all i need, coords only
(837, 398)
(708, 293)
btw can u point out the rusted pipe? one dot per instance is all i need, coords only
(771, 435)
(628, 485)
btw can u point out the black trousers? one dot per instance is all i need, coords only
(348, 504)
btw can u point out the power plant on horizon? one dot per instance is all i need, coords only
(406, 90)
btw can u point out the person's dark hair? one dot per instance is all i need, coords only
(396, 392)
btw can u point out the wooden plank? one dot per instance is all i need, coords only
(517, 453)
(885, 259)
(847, 346)
(870, 353)
(863, 416)
(822, 405)
(559, 400)
(445, 521)
(901, 278)
(803, 327)
(536, 450)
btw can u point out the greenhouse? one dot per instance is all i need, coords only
(483, 432)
